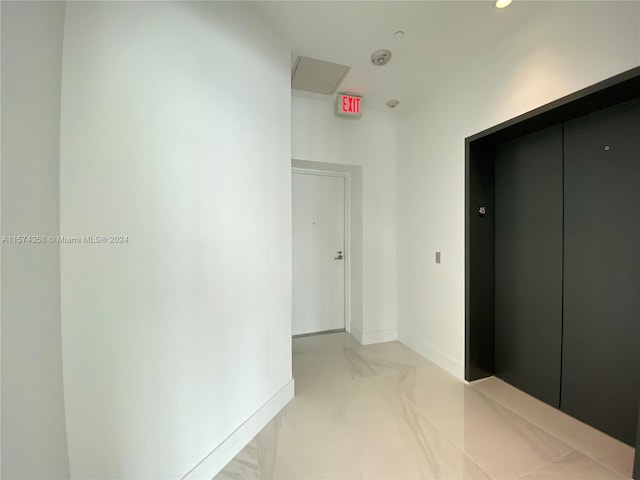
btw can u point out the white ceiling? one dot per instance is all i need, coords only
(439, 36)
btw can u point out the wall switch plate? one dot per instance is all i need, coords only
(437, 257)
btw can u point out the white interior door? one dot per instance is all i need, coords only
(318, 253)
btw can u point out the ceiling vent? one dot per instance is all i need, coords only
(318, 76)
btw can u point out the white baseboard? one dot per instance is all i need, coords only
(379, 336)
(447, 363)
(213, 463)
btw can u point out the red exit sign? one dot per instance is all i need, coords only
(349, 104)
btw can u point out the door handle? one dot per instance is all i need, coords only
(339, 257)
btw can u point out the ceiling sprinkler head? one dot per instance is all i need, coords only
(380, 57)
(393, 103)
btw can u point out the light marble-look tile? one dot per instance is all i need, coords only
(314, 366)
(243, 467)
(324, 343)
(502, 442)
(605, 449)
(393, 354)
(364, 430)
(309, 438)
(396, 441)
(383, 411)
(319, 370)
(574, 466)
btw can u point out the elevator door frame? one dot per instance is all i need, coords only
(479, 220)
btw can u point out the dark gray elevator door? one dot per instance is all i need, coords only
(601, 352)
(528, 263)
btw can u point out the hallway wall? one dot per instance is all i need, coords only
(566, 47)
(370, 142)
(176, 343)
(33, 419)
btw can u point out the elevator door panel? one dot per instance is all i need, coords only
(528, 263)
(601, 360)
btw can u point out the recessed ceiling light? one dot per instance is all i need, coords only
(399, 35)
(503, 3)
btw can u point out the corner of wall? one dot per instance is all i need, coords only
(357, 334)
(379, 336)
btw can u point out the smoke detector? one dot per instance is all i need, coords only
(393, 103)
(380, 57)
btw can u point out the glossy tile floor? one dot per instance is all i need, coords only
(384, 412)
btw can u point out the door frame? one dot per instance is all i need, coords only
(347, 232)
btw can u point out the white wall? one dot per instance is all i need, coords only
(33, 421)
(319, 135)
(568, 46)
(176, 134)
